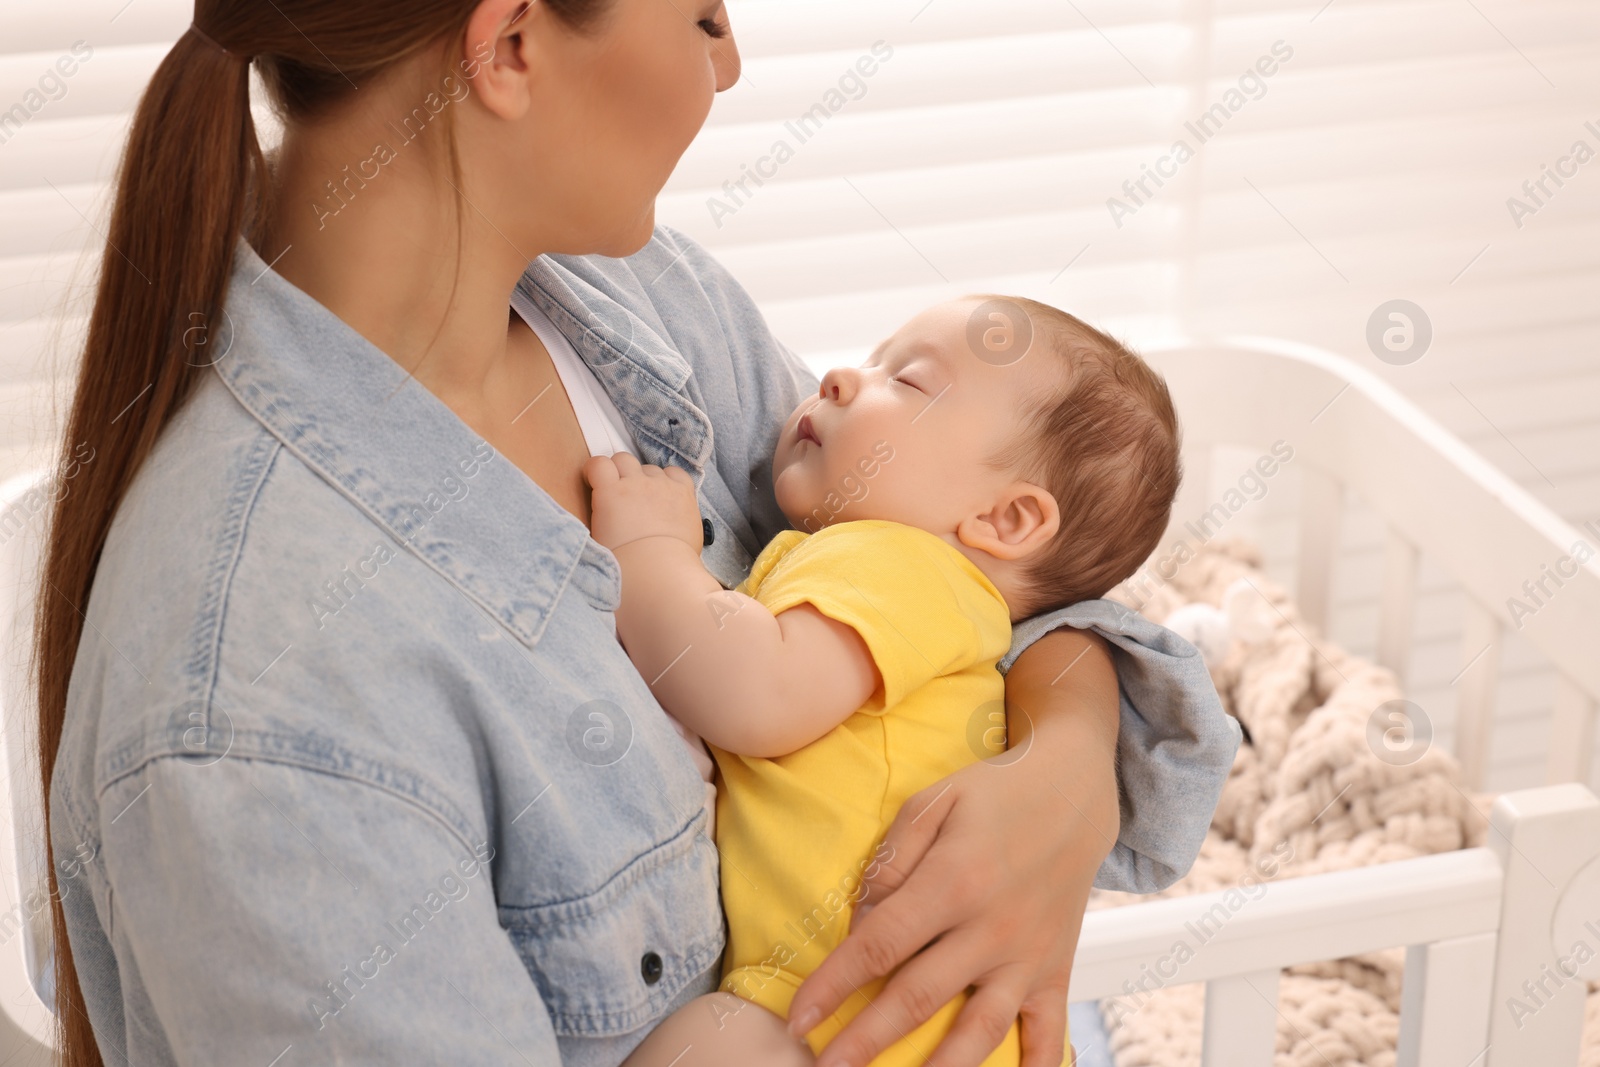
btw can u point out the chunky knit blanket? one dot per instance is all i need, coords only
(1329, 778)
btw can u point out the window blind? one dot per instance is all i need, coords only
(1161, 167)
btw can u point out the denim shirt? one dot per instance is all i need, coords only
(354, 769)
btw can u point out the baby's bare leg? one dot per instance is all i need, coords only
(720, 1030)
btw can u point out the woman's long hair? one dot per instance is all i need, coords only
(192, 180)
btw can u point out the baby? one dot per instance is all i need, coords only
(993, 459)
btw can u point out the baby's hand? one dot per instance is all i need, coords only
(633, 501)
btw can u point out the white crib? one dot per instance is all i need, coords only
(1477, 924)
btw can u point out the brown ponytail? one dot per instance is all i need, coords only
(192, 180)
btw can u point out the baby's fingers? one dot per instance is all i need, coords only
(600, 471)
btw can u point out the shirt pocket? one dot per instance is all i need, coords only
(614, 960)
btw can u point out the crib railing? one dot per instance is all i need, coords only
(1350, 430)
(1491, 937)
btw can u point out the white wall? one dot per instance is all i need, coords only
(981, 151)
(1375, 163)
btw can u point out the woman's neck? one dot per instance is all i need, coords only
(381, 257)
(374, 240)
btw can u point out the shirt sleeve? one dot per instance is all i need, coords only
(919, 615)
(1175, 745)
(268, 906)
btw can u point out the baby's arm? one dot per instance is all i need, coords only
(720, 1030)
(745, 680)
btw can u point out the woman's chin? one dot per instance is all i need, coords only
(635, 236)
(615, 240)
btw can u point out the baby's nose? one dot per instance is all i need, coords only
(838, 385)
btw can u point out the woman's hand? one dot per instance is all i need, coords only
(990, 875)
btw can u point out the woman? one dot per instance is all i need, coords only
(343, 762)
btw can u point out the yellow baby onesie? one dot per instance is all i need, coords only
(798, 832)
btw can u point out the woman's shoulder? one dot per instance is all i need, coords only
(221, 535)
(681, 292)
(246, 606)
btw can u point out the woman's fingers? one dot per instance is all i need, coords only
(876, 945)
(925, 983)
(906, 842)
(983, 1023)
(1044, 1024)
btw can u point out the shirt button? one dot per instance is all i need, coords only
(708, 531)
(650, 967)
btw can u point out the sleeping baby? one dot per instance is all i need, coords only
(994, 458)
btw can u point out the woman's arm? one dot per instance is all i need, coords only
(266, 905)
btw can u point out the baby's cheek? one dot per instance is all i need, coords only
(915, 494)
(794, 497)
(852, 486)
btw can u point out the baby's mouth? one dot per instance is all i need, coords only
(805, 431)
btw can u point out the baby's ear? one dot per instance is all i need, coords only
(1022, 520)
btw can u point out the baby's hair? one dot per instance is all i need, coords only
(1106, 446)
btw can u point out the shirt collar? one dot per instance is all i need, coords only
(375, 434)
(599, 312)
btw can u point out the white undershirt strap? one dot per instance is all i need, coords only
(605, 432)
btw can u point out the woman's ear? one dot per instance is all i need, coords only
(1023, 519)
(496, 55)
